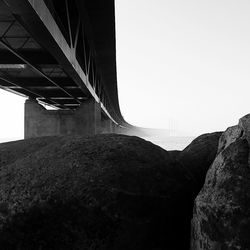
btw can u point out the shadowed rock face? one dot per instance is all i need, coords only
(12, 151)
(197, 157)
(221, 217)
(105, 192)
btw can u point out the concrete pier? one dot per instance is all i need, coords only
(107, 126)
(85, 121)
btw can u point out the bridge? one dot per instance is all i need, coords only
(61, 53)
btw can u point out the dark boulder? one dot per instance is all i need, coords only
(11, 151)
(103, 192)
(197, 157)
(175, 154)
(221, 218)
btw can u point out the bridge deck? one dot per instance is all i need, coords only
(60, 52)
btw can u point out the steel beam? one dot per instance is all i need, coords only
(35, 68)
(39, 22)
(33, 55)
(24, 90)
(35, 17)
(39, 81)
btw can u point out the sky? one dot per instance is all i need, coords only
(181, 65)
(11, 116)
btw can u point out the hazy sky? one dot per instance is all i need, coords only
(180, 63)
(184, 62)
(11, 116)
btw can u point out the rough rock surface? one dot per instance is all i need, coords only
(197, 157)
(221, 217)
(105, 192)
(11, 151)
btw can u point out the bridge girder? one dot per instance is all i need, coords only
(55, 45)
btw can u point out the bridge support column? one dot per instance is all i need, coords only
(107, 126)
(85, 121)
(117, 129)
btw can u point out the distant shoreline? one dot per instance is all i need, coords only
(171, 142)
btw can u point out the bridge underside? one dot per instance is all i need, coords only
(61, 53)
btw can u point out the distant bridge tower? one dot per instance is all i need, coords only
(172, 127)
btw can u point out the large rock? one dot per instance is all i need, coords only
(11, 151)
(221, 217)
(197, 157)
(105, 192)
